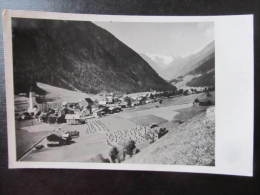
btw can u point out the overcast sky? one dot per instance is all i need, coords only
(170, 39)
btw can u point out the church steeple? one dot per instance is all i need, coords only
(31, 100)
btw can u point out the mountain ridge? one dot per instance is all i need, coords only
(80, 56)
(181, 66)
(184, 66)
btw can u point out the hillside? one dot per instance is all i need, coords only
(204, 80)
(79, 56)
(191, 143)
(196, 70)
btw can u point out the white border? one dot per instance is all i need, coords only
(234, 92)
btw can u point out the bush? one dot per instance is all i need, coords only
(129, 148)
(114, 154)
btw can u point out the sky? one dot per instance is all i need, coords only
(162, 39)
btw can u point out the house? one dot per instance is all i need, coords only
(102, 102)
(73, 119)
(148, 101)
(135, 103)
(110, 99)
(98, 113)
(123, 104)
(202, 102)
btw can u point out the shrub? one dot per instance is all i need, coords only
(129, 148)
(114, 154)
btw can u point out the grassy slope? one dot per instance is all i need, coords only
(56, 94)
(205, 67)
(191, 143)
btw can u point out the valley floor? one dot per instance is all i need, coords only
(191, 142)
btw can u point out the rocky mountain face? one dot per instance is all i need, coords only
(78, 56)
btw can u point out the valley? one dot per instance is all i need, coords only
(86, 92)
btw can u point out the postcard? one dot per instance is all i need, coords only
(151, 93)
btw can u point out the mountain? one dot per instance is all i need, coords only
(162, 60)
(153, 64)
(204, 80)
(184, 65)
(80, 56)
(158, 63)
(197, 70)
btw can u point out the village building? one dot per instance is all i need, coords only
(110, 99)
(31, 102)
(73, 119)
(102, 102)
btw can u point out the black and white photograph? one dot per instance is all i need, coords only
(114, 92)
